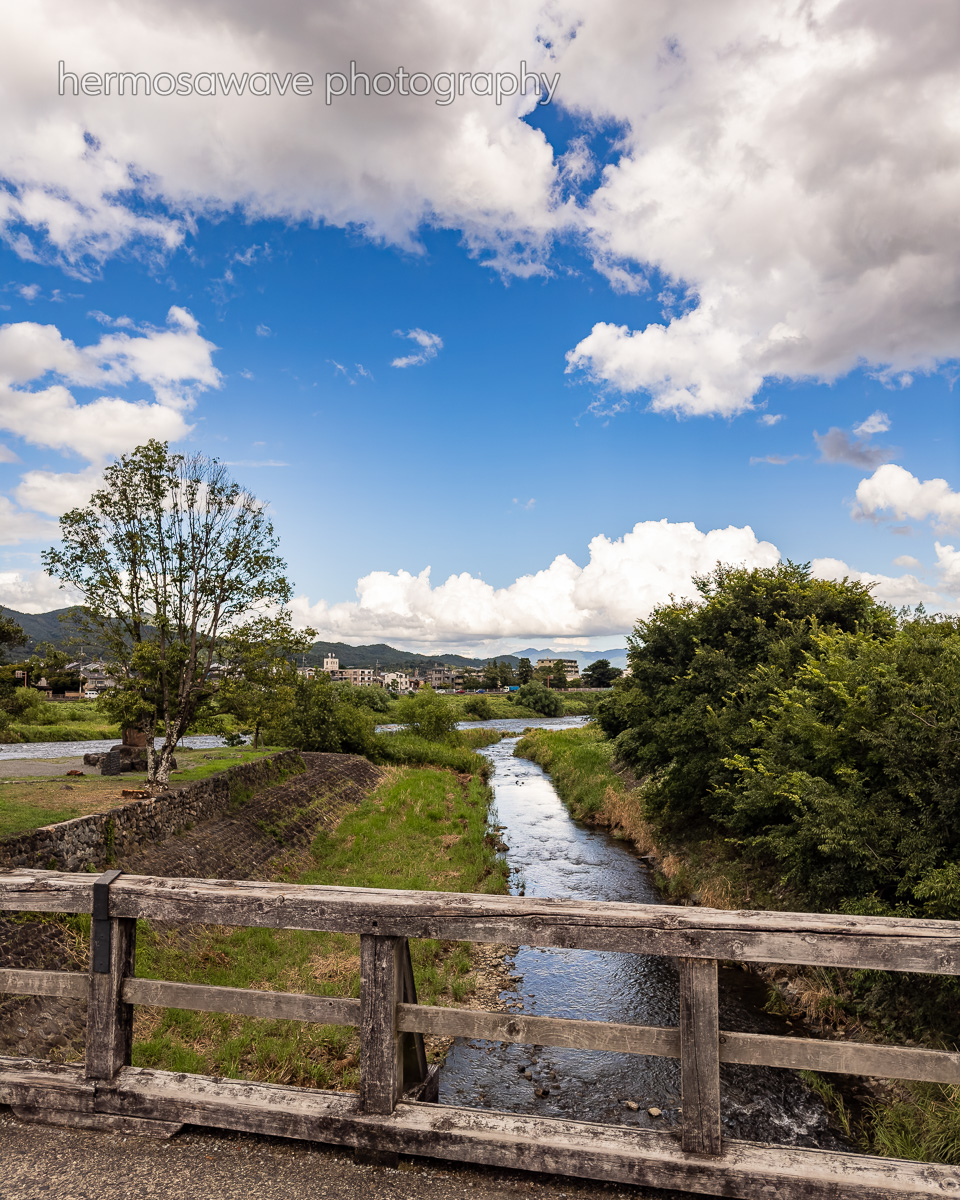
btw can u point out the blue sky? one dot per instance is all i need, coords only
(490, 457)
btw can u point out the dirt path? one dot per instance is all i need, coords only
(38, 1162)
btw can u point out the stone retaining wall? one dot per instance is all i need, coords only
(99, 838)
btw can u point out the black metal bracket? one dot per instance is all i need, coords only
(100, 929)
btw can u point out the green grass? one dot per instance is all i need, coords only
(580, 762)
(423, 828)
(923, 1125)
(502, 706)
(458, 754)
(29, 802)
(216, 760)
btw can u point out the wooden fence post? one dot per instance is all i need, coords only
(700, 1055)
(109, 1020)
(381, 1049)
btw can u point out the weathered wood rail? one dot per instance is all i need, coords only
(392, 1112)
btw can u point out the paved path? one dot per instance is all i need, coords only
(38, 1162)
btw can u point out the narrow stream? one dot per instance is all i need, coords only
(550, 854)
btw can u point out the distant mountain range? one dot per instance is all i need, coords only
(48, 627)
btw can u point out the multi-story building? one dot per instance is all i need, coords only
(443, 677)
(331, 663)
(569, 666)
(358, 676)
(400, 680)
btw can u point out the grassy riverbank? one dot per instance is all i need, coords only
(61, 721)
(423, 828)
(29, 800)
(911, 1120)
(502, 707)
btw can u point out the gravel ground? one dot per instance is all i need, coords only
(38, 1162)
(29, 768)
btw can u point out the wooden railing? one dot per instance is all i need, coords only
(392, 1111)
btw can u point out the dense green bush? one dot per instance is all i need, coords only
(804, 723)
(542, 700)
(321, 718)
(376, 699)
(427, 715)
(478, 707)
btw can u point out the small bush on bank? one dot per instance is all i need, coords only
(427, 715)
(543, 701)
(478, 707)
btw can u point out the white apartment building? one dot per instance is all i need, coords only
(400, 678)
(569, 666)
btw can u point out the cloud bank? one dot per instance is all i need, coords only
(39, 367)
(624, 579)
(791, 170)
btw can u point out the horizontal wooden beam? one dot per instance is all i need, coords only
(539, 1031)
(810, 1054)
(621, 1154)
(65, 984)
(245, 1002)
(753, 1049)
(881, 943)
(840, 1058)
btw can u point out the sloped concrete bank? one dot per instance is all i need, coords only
(100, 839)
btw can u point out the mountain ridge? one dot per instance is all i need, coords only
(48, 627)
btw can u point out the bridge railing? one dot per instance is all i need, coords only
(394, 1081)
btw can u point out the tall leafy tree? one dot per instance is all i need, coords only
(171, 555)
(600, 674)
(524, 670)
(505, 675)
(259, 670)
(491, 675)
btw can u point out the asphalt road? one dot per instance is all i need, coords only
(39, 1162)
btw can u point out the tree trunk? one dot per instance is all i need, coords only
(256, 736)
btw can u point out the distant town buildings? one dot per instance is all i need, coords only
(438, 677)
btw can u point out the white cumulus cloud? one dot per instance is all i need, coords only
(39, 367)
(892, 491)
(623, 579)
(34, 592)
(795, 168)
(897, 590)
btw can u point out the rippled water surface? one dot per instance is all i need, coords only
(550, 854)
(69, 749)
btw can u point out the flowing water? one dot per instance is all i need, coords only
(550, 854)
(201, 741)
